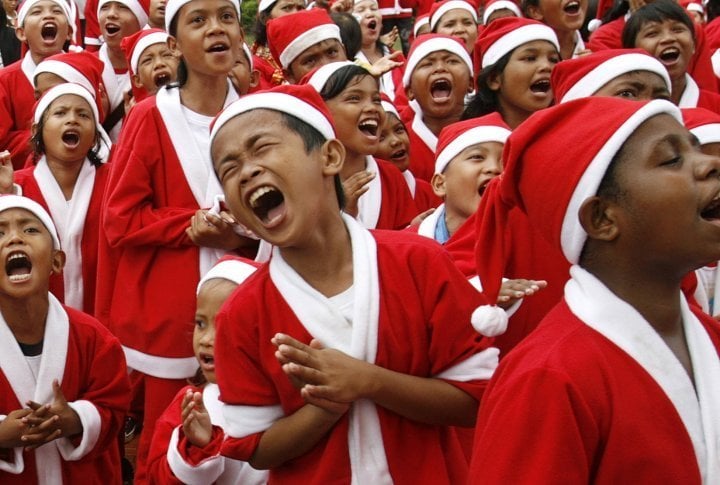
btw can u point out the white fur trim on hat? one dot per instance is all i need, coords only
(321, 76)
(572, 235)
(265, 5)
(173, 7)
(60, 90)
(65, 71)
(434, 45)
(419, 24)
(501, 5)
(144, 43)
(20, 202)
(451, 5)
(27, 4)
(308, 39)
(473, 136)
(390, 108)
(695, 7)
(594, 24)
(709, 133)
(249, 55)
(134, 7)
(612, 68)
(282, 102)
(516, 38)
(231, 269)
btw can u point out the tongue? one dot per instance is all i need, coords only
(275, 212)
(18, 271)
(440, 93)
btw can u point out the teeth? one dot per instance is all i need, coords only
(19, 277)
(372, 123)
(259, 193)
(16, 256)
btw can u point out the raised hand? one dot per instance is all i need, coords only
(195, 419)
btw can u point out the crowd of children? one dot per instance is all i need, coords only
(483, 249)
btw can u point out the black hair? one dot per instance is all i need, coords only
(712, 8)
(658, 11)
(260, 27)
(340, 79)
(350, 32)
(485, 100)
(526, 4)
(619, 9)
(38, 145)
(312, 140)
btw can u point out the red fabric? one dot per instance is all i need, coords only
(588, 412)
(418, 287)
(94, 371)
(422, 157)
(17, 100)
(425, 198)
(712, 35)
(92, 26)
(91, 230)
(709, 100)
(397, 208)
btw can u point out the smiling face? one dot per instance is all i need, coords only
(368, 15)
(459, 23)
(439, 83)
(394, 143)
(212, 295)
(45, 29)
(157, 66)
(26, 247)
(637, 86)
(671, 42)
(117, 21)
(560, 15)
(68, 129)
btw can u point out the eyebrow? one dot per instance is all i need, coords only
(23, 221)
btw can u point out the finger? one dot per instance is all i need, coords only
(295, 355)
(199, 404)
(58, 395)
(281, 338)
(304, 373)
(39, 441)
(35, 406)
(316, 344)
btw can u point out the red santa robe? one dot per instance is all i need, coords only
(174, 460)
(151, 269)
(17, 99)
(78, 230)
(387, 204)
(596, 396)
(116, 85)
(422, 192)
(397, 277)
(694, 97)
(93, 35)
(88, 362)
(423, 143)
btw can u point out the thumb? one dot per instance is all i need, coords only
(57, 392)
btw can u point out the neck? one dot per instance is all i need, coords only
(371, 51)
(678, 88)
(117, 57)
(567, 40)
(436, 124)
(511, 115)
(325, 261)
(25, 316)
(453, 219)
(204, 94)
(354, 163)
(37, 58)
(66, 174)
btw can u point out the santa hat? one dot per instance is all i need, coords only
(495, 5)
(71, 88)
(420, 20)
(533, 158)
(139, 8)
(231, 268)
(388, 105)
(265, 5)
(691, 6)
(172, 7)
(134, 45)
(506, 34)
(20, 202)
(317, 78)
(300, 101)
(456, 137)
(248, 55)
(290, 35)
(441, 8)
(430, 43)
(81, 68)
(602, 7)
(583, 76)
(27, 4)
(702, 123)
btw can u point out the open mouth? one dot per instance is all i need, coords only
(112, 29)
(372, 24)
(267, 203)
(208, 360)
(670, 55)
(219, 47)
(71, 138)
(18, 267)
(49, 31)
(161, 79)
(483, 186)
(540, 87)
(441, 89)
(369, 127)
(398, 155)
(572, 8)
(712, 210)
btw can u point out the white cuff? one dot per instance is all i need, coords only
(18, 465)
(478, 366)
(207, 471)
(91, 423)
(242, 421)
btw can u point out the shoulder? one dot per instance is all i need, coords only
(85, 324)
(409, 246)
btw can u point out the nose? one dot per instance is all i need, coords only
(492, 166)
(207, 338)
(248, 172)
(706, 166)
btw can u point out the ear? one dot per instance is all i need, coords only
(333, 153)
(494, 81)
(438, 185)
(599, 218)
(533, 11)
(136, 81)
(58, 262)
(20, 34)
(254, 78)
(172, 45)
(409, 93)
(33, 130)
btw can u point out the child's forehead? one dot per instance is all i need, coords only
(154, 48)
(72, 100)
(18, 215)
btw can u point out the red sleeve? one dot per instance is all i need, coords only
(12, 138)
(158, 470)
(607, 36)
(92, 27)
(700, 66)
(398, 207)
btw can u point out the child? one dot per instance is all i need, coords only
(187, 439)
(497, 9)
(244, 77)
(622, 377)
(627, 73)
(456, 18)
(44, 26)
(664, 30)
(65, 387)
(517, 57)
(156, 14)
(304, 41)
(394, 146)
(437, 77)
(155, 215)
(337, 289)
(565, 18)
(68, 179)
(151, 63)
(375, 193)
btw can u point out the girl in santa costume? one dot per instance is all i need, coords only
(566, 18)
(456, 18)
(159, 232)
(621, 380)
(186, 444)
(375, 191)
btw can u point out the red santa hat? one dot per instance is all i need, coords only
(692, 6)
(602, 7)
(172, 7)
(430, 43)
(456, 137)
(506, 34)
(20, 202)
(81, 68)
(583, 76)
(231, 268)
(420, 21)
(300, 101)
(317, 78)
(265, 5)
(388, 105)
(441, 8)
(290, 35)
(592, 130)
(495, 5)
(27, 4)
(702, 123)
(134, 45)
(139, 8)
